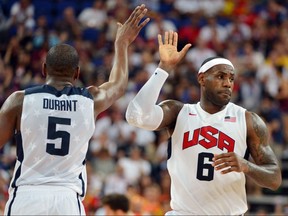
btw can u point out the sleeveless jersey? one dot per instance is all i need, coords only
(196, 188)
(55, 130)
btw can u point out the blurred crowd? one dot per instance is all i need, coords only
(253, 35)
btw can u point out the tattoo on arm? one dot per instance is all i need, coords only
(259, 141)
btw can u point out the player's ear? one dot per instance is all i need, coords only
(77, 73)
(201, 78)
(44, 69)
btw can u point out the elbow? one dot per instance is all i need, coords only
(129, 119)
(277, 184)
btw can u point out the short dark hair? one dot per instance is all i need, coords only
(116, 202)
(209, 59)
(62, 60)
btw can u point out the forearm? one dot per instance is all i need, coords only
(268, 176)
(119, 73)
(142, 111)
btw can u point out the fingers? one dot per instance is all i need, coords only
(136, 16)
(166, 37)
(184, 50)
(171, 38)
(160, 42)
(226, 163)
(175, 39)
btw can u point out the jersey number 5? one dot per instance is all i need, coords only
(205, 171)
(53, 134)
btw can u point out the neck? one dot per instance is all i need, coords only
(59, 83)
(211, 108)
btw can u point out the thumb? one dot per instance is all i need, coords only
(184, 50)
(119, 24)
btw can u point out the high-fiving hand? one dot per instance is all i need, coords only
(127, 32)
(169, 56)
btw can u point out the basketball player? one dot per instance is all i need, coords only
(53, 124)
(210, 140)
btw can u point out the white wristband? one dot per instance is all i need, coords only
(162, 74)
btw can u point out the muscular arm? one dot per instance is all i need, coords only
(265, 171)
(171, 109)
(110, 91)
(10, 114)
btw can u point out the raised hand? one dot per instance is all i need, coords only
(127, 32)
(169, 56)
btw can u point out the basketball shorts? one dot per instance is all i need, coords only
(44, 200)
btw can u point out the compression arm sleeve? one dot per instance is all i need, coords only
(142, 110)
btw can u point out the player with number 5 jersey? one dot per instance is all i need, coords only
(211, 141)
(53, 124)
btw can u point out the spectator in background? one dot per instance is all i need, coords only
(67, 26)
(269, 110)
(135, 165)
(267, 75)
(282, 97)
(116, 182)
(214, 34)
(197, 54)
(116, 204)
(95, 16)
(158, 25)
(22, 12)
(250, 91)
(114, 126)
(237, 30)
(152, 203)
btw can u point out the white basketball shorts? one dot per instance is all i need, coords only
(44, 200)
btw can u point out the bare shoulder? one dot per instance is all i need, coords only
(10, 115)
(93, 90)
(14, 101)
(101, 101)
(171, 109)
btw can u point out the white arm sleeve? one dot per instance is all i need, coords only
(142, 111)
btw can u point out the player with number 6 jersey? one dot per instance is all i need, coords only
(197, 136)
(211, 140)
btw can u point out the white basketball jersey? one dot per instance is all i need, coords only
(55, 130)
(197, 188)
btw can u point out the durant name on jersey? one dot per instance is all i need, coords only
(61, 105)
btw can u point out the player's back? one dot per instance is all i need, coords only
(55, 130)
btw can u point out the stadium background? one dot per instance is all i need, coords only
(252, 34)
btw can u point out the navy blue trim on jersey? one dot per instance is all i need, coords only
(83, 185)
(12, 201)
(81, 178)
(67, 90)
(247, 153)
(169, 148)
(20, 157)
(78, 202)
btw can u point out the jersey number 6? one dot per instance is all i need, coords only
(205, 171)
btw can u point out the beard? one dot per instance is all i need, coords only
(215, 99)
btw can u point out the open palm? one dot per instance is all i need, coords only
(169, 56)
